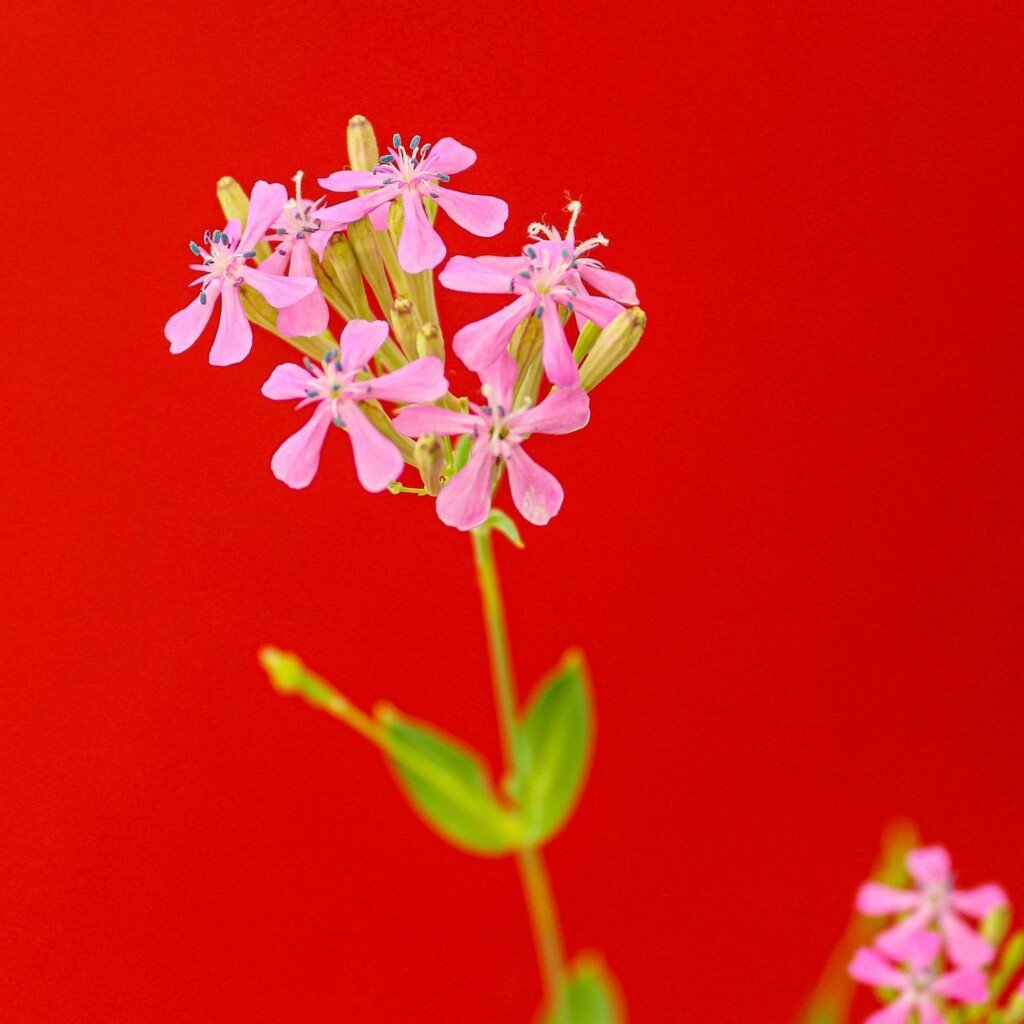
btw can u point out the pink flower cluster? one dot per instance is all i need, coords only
(930, 956)
(549, 280)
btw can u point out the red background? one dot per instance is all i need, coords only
(790, 545)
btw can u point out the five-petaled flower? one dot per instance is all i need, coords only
(411, 175)
(498, 432)
(335, 389)
(550, 273)
(935, 901)
(224, 270)
(303, 228)
(918, 985)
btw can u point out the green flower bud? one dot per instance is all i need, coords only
(362, 144)
(613, 345)
(527, 345)
(429, 341)
(403, 319)
(430, 459)
(344, 268)
(235, 204)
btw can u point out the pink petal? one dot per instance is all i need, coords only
(601, 311)
(417, 420)
(928, 1014)
(562, 412)
(559, 365)
(929, 865)
(355, 209)
(379, 218)
(233, 229)
(422, 380)
(980, 901)
(265, 206)
(359, 341)
(279, 291)
(615, 286)
(309, 316)
(465, 500)
(288, 381)
(481, 215)
(187, 324)
(352, 181)
(463, 274)
(965, 946)
(378, 461)
(869, 967)
(234, 334)
(964, 985)
(508, 265)
(875, 899)
(420, 247)
(536, 493)
(895, 1013)
(277, 262)
(295, 463)
(447, 156)
(499, 379)
(478, 344)
(920, 948)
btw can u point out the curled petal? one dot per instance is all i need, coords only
(480, 343)
(615, 286)
(422, 380)
(447, 156)
(417, 420)
(295, 463)
(464, 274)
(929, 865)
(420, 247)
(359, 342)
(563, 411)
(234, 333)
(309, 316)
(481, 215)
(536, 493)
(287, 381)
(378, 461)
(265, 206)
(559, 365)
(187, 324)
(280, 292)
(465, 500)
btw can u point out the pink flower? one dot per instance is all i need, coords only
(498, 433)
(935, 901)
(224, 269)
(335, 389)
(411, 175)
(302, 228)
(919, 984)
(550, 273)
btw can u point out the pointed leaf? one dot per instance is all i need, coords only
(591, 995)
(555, 742)
(504, 524)
(449, 786)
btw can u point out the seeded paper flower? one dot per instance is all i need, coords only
(335, 389)
(412, 175)
(224, 270)
(548, 275)
(935, 901)
(498, 434)
(918, 984)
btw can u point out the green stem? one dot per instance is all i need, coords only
(540, 899)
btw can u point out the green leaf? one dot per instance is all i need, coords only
(555, 741)
(462, 450)
(591, 995)
(449, 786)
(289, 675)
(505, 525)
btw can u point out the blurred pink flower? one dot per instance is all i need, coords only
(918, 983)
(335, 389)
(411, 175)
(498, 434)
(224, 269)
(935, 901)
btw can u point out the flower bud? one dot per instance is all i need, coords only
(429, 341)
(235, 204)
(364, 244)
(996, 924)
(613, 345)
(344, 267)
(403, 320)
(527, 345)
(430, 459)
(362, 144)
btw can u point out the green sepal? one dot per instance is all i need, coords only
(449, 786)
(503, 524)
(555, 740)
(591, 995)
(462, 450)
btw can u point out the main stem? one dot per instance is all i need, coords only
(533, 872)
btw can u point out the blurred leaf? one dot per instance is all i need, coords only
(504, 524)
(591, 995)
(555, 740)
(449, 786)
(288, 675)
